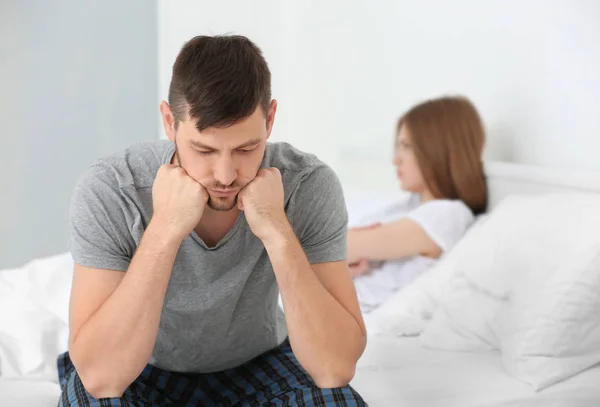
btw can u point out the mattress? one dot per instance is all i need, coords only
(22, 393)
(398, 372)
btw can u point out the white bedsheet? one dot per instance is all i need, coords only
(28, 393)
(398, 372)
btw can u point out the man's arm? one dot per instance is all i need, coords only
(325, 326)
(115, 316)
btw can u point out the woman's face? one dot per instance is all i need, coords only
(407, 169)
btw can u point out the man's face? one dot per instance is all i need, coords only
(223, 160)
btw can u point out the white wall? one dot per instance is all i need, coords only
(78, 81)
(272, 25)
(345, 70)
(260, 20)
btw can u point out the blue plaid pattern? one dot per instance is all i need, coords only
(274, 379)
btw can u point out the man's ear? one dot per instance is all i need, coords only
(271, 116)
(168, 120)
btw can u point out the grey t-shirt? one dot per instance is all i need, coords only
(221, 307)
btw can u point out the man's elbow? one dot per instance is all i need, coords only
(334, 378)
(98, 387)
(98, 383)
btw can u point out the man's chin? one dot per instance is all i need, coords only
(222, 204)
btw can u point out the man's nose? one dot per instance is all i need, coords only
(225, 172)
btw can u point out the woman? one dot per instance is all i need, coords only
(439, 144)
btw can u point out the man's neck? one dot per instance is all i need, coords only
(214, 225)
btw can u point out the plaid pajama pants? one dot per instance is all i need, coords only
(272, 379)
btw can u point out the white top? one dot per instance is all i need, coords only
(444, 220)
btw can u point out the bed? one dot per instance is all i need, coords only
(394, 370)
(401, 371)
(398, 372)
(28, 393)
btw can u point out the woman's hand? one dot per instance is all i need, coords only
(359, 268)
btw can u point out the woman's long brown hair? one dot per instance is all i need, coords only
(448, 138)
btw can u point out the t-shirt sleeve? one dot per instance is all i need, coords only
(99, 236)
(319, 216)
(445, 221)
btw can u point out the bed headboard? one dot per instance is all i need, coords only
(364, 170)
(510, 178)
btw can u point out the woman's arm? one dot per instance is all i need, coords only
(394, 240)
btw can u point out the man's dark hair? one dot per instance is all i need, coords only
(218, 81)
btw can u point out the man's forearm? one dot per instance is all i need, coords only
(112, 348)
(325, 337)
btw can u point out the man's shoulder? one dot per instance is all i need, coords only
(134, 166)
(294, 164)
(304, 175)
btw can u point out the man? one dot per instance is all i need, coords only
(180, 247)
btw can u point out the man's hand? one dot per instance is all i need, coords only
(262, 202)
(178, 201)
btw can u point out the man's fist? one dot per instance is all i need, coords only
(262, 202)
(178, 201)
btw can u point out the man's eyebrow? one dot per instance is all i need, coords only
(199, 144)
(248, 143)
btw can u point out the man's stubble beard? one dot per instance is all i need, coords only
(212, 204)
(221, 207)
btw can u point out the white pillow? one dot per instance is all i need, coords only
(409, 310)
(530, 291)
(555, 333)
(34, 301)
(486, 267)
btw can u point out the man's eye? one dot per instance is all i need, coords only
(204, 152)
(246, 150)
